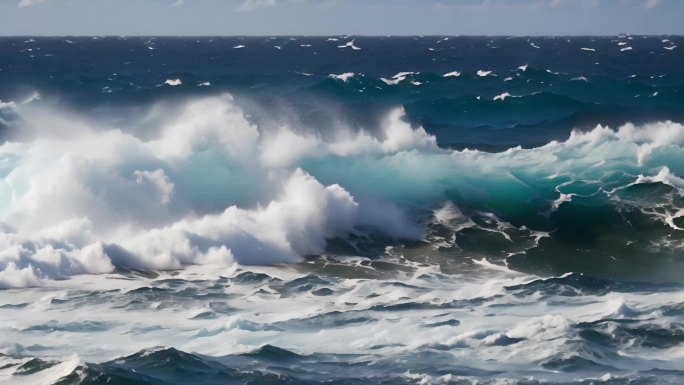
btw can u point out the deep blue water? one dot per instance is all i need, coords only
(552, 97)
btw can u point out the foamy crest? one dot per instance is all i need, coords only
(207, 186)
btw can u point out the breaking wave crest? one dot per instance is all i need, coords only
(200, 183)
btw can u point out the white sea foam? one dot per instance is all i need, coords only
(349, 44)
(503, 96)
(135, 203)
(50, 375)
(173, 82)
(344, 77)
(663, 176)
(398, 78)
(483, 73)
(452, 74)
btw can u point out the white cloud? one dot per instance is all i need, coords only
(648, 4)
(250, 5)
(178, 3)
(28, 3)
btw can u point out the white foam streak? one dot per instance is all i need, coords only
(344, 77)
(396, 79)
(349, 44)
(452, 74)
(502, 97)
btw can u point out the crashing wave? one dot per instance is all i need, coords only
(209, 187)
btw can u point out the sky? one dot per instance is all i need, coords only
(335, 17)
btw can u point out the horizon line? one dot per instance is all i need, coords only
(341, 35)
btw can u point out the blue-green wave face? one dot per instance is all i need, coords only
(205, 184)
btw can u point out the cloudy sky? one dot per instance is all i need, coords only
(328, 17)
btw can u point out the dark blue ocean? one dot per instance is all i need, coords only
(342, 210)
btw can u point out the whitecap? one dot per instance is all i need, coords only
(396, 79)
(452, 74)
(344, 76)
(349, 44)
(173, 82)
(502, 96)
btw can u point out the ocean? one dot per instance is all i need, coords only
(342, 210)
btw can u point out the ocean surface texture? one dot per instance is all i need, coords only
(342, 210)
